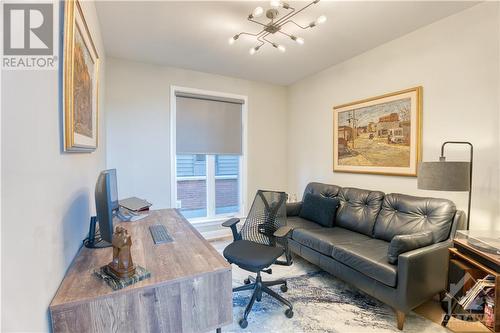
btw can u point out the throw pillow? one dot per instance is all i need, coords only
(319, 209)
(404, 243)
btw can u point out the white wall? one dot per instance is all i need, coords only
(138, 122)
(47, 195)
(456, 60)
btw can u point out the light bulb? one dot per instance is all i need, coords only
(320, 20)
(233, 39)
(275, 3)
(254, 49)
(281, 48)
(298, 40)
(258, 12)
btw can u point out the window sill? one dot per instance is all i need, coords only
(214, 220)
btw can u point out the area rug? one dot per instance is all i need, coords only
(322, 303)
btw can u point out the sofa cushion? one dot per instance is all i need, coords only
(358, 209)
(319, 209)
(404, 243)
(324, 239)
(404, 214)
(326, 190)
(297, 222)
(368, 257)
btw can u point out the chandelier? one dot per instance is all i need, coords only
(276, 25)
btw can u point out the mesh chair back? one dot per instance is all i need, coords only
(267, 214)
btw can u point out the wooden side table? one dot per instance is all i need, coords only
(478, 264)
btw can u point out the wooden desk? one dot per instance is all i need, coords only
(189, 289)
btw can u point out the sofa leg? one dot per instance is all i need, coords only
(401, 316)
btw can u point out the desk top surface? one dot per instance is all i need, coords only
(189, 255)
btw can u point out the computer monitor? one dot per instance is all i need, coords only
(106, 203)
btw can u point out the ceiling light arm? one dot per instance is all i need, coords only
(290, 14)
(252, 20)
(298, 25)
(267, 40)
(443, 158)
(250, 34)
(293, 13)
(284, 33)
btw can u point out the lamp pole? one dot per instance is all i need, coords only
(443, 158)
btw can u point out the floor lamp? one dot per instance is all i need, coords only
(448, 176)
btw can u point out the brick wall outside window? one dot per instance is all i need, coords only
(192, 193)
(226, 192)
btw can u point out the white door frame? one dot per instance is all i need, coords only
(173, 149)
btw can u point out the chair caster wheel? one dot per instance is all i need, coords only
(284, 288)
(243, 323)
(289, 313)
(246, 281)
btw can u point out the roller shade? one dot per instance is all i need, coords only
(208, 125)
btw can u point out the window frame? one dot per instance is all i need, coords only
(210, 163)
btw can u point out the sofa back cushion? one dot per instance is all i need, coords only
(358, 209)
(326, 190)
(404, 214)
(319, 209)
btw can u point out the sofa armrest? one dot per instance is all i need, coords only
(422, 273)
(293, 208)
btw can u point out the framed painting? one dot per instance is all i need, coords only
(80, 82)
(379, 135)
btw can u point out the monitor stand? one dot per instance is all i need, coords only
(90, 241)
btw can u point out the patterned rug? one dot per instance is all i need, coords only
(322, 303)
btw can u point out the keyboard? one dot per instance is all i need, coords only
(160, 234)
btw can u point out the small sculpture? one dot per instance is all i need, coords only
(122, 265)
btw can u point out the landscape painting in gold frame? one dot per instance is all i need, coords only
(379, 135)
(80, 82)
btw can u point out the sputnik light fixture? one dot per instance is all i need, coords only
(276, 24)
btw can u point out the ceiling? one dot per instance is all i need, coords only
(194, 35)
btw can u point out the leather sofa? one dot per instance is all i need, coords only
(356, 248)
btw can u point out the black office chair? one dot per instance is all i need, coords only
(259, 244)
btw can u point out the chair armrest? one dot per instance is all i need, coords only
(283, 231)
(282, 238)
(422, 273)
(293, 208)
(231, 223)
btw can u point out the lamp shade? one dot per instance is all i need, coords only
(444, 176)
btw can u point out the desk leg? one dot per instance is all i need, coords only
(218, 330)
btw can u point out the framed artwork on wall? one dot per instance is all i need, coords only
(80, 82)
(379, 135)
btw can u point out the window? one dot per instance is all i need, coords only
(208, 185)
(192, 185)
(207, 146)
(227, 184)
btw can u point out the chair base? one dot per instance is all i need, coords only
(258, 286)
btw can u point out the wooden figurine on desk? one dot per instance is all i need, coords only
(122, 265)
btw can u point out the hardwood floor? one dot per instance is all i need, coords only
(432, 310)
